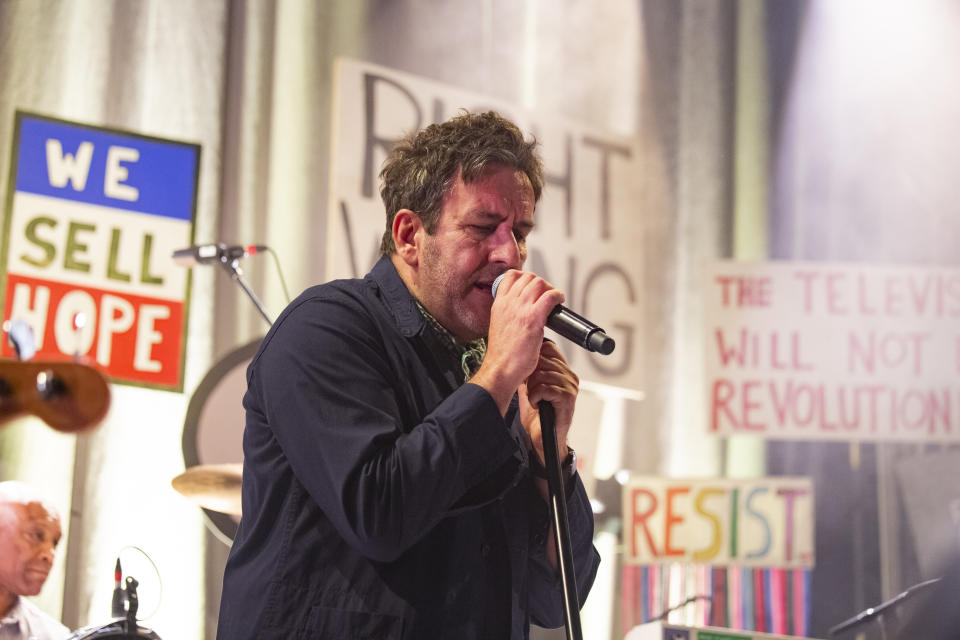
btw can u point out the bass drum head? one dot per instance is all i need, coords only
(112, 631)
(213, 426)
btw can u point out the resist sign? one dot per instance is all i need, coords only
(89, 229)
(760, 522)
(833, 352)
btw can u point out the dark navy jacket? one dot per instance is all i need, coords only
(382, 497)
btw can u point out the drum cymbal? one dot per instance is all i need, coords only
(212, 486)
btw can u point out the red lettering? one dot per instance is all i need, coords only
(893, 297)
(670, 519)
(724, 282)
(835, 294)
(748, 406)
(723, 391)
(940, 410)
(733, 352)
(781, 403)
(807, 277)
(640, 520)
(852, 421)
(914, 409)
(873, 393)
(762, 292)
(858, 353)
(793, 361)
(798, 418)
(749, 292)
(920, 293)
(821, 401)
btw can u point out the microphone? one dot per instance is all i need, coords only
(118, 606)
(212, 253)
(574, 327)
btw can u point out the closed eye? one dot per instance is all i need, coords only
(483, 229)
(38, 535)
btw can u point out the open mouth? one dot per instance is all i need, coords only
(484, 286)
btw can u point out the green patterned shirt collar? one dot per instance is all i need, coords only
(471, 354)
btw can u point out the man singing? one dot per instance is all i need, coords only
(392, 483)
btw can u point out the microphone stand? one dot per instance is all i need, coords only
(880, 610)
(561, 523)
(133, 604)
(233, 268)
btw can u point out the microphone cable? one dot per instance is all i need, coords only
(276, 262)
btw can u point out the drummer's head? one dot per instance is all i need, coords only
(29, 533)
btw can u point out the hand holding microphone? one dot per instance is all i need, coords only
(526, 304)
(574, 327)
(515, 334)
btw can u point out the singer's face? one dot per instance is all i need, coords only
(29, 535)
(481, 233)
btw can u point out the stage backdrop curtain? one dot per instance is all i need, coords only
(251, 82)
(154, 67)
(866, 112)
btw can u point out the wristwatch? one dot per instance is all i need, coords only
(568, 467)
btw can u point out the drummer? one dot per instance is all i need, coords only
(29, 533)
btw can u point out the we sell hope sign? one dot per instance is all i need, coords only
(89, 229)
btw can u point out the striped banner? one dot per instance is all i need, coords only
(768, 600)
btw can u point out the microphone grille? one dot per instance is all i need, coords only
(496, 284)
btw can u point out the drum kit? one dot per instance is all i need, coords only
(124, 624)
(73, 397)
(123, 628)
(215, 487)
(115, 630)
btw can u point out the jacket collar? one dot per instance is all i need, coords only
(397, 297)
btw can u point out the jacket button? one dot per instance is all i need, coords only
(484, 550)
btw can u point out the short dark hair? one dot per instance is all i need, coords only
(421, 168)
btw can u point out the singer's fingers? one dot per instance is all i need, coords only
(528, 288)
(551, 359)
(517, 318)
(550, 366)
(536, 390)
(552, 374)
(558, 379)
(550, 352)
(503, 281)
(506, 281)
(555, 394)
